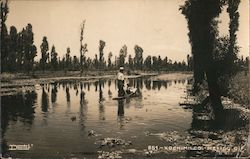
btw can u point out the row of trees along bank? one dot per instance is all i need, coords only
(18, 54)
(18, 51)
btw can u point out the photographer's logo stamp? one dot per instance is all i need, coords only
(22, 147)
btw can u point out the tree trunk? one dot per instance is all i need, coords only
(214, 92)
(198, 73)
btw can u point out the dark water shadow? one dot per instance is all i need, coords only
(15, 108)
(83, 109)
(120, 113)
(101, 99)
(54, 92)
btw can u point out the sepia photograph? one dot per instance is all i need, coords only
(124, 79)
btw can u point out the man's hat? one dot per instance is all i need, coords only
(121, 68)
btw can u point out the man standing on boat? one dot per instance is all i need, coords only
(120, 78)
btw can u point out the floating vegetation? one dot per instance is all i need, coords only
(172, 136)
(109, 155)
(93, 133)
(112, 142)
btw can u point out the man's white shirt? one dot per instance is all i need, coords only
(120, 76)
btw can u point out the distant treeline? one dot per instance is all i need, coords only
(18, 53)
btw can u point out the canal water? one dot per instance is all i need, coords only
(81, 119)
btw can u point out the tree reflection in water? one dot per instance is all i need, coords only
(54, 92)
(15, 108)
(101, 99)
(67, 94)
(109, 91)
(120, 113)
(21, 108)
(44, 100)
(82, 110)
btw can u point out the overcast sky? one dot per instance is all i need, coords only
(155, 25)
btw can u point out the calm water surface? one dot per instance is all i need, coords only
(57, 117)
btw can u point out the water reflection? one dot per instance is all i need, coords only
(82, 97)
(67, 94)
(54, 92)
(139, 84)
(101, 99)
(15, 108)
(120, 111)
(82, 110)
(147, 83)
(109, 91)
(90, 104)
(101, 85)
(159, 84)
(44, 100)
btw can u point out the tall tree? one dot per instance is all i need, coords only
(165, 63)
(63, 64)
(154, 63)
(54, 60)
(20, 50)
(159, 65)
(83, 47)
(109, 60)
(4, 10)
(101, 53)
(44, 53)
(68, 59)
(148, 63)
(89, 64)
(138, 57)
(233, 28)
(13, 49)
(200, 15)
(75, 63)
(130, 62)
(29, 48)
(122, 55)
(95, 62)
(189, 62)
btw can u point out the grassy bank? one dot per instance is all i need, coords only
(6, 77)
(239, 89)
(52, 74)
(19, 82)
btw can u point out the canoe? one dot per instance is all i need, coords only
(124, 97)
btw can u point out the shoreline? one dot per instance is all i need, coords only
(12, 84)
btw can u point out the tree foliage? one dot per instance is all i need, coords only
(13, 49)
(29, 48)
(101, 53)
(233, 50)
(109, 59)
(122, 55)
(200, 15)
(83, 48)
(54, 60)
(138, 60)
(4, 10)
(44, 53)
